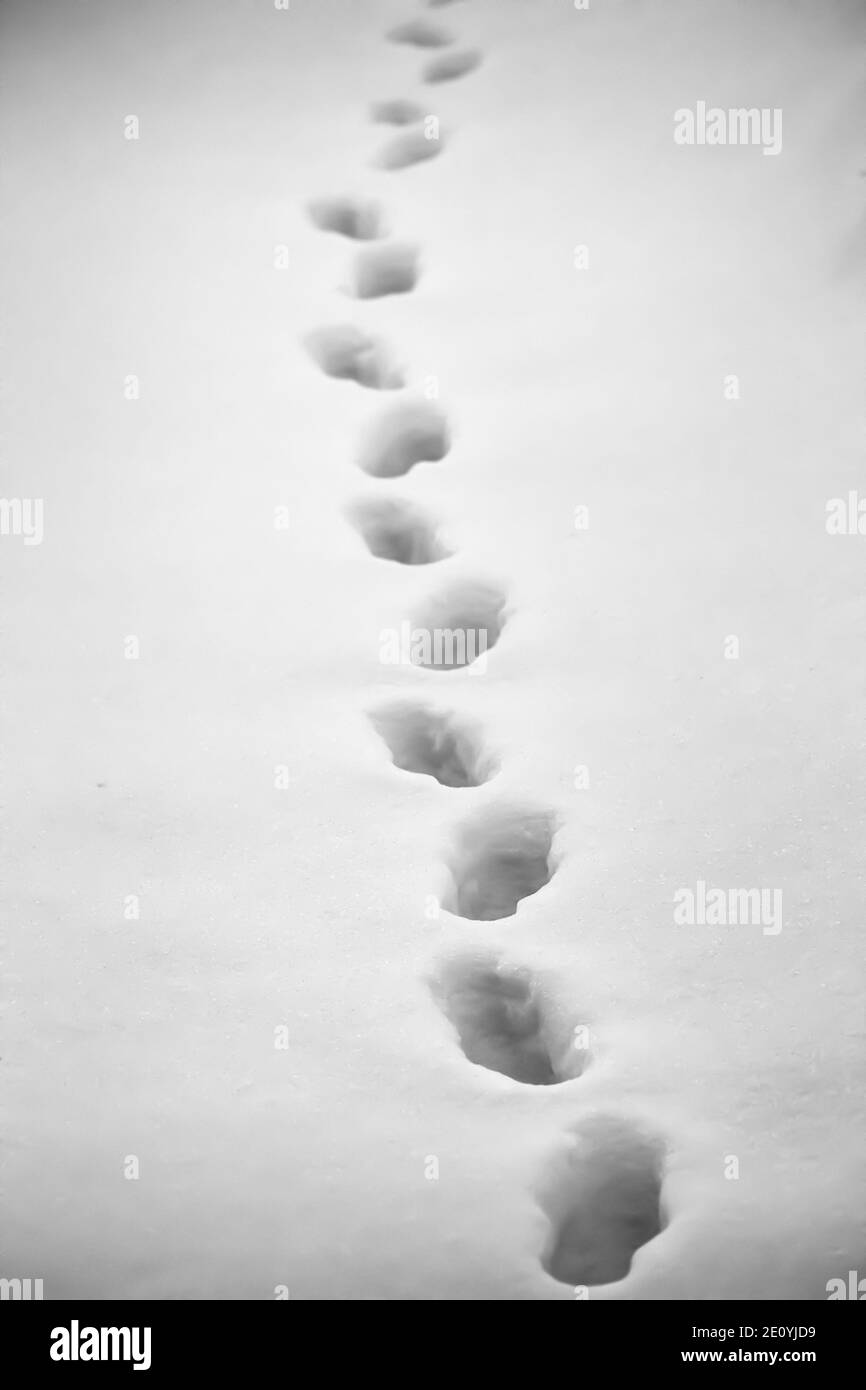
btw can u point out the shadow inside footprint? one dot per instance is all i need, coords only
(449, 66)
(497, 859)
(458, 627)
(604, 1203)
(383, 270)
(398, 112)
(345, 352)
(421, 33)
(397, 530)
(434, 744)
(411, 148)
(412, 432)
(499, 1015)
(356, 218)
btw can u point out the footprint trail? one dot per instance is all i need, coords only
(603, 1198)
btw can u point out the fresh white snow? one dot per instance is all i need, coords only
(230, 779)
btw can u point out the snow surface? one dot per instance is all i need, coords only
(312, 906)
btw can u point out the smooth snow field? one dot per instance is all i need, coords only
(433, 618)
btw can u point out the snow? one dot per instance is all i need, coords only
(231, 779)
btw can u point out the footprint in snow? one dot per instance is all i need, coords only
(349, 354)
(360, 219)
(603, 1199)
(504, 1021)
(434, 743)
(450, 66)
(398, 530)
(497, 858)
(398, 112)
(409, 433)
(421, 33)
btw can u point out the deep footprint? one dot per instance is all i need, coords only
(457, 627)
(500, 1018)
(497, 859)
(412, 148)
(346, 353)
(356, 218)
(383, 270)
(421, 33)
(605, 1203)
(397, 530)
(399, 112)
(450, 66)
(434, 744)
(412, 432)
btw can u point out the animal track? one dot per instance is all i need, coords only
(421, 33)
(449, 66)
(501, 1021)
(606, 1203)
(397, 530)
(434, 744)
(411, 148)
(345, 352)
(359, 219)
(457, 626)
(399, 112)
(497, 859)
(412, 432)
(606, 1200)
(381, 270)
